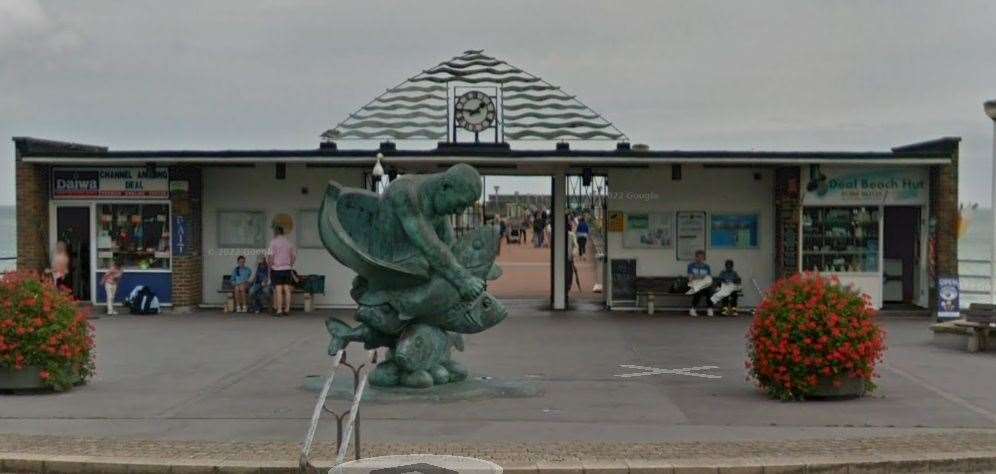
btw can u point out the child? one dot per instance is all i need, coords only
(729, 280)
(110, 282)
(240, 285)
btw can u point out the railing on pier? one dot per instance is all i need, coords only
(343, 432)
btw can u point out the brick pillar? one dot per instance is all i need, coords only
(187, 269)
(944, 216)
(31, 183)
(787, 204)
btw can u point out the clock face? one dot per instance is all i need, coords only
(474, 111)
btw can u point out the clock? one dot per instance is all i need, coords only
(474, 111)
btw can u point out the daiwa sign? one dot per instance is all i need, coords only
(97, 183)
(831, 185)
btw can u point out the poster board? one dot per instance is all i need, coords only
(241, 229)
(733, 231)
(948, 296)
(616, 222)
(649, 231)
(691, 234)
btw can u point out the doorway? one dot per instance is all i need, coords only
(72, 226)
(901, 255)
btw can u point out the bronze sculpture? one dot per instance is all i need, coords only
(419, 287)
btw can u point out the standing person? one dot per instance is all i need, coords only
(282, 256)
(582, 234)
(572, 253)
(241, 276)
(698, 272)
(110, 280)
(260, 291)
(60, 267)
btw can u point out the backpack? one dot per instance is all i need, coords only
(143, 300)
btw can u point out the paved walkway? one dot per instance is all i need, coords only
(207, 379)
(526, 273)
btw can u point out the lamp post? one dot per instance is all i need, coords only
(497, 204)
(990, 108)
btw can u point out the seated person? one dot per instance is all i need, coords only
(260, 291)
(240, 285)
(728, 291)
(700, 282)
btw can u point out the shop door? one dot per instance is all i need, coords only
(72, 226)
(901, 254)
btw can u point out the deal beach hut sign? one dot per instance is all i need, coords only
(831, 185)
(103, 183)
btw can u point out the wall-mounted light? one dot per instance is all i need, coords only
(281, 170)
(378, 169)
(675, 172)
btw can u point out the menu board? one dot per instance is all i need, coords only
(649, 231)
(623, 273)
(691, 230)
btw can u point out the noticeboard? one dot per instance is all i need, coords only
(649, 231)
(691, 234)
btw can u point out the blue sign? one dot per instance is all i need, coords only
(948, 292)
(733, 231)
(181, 237)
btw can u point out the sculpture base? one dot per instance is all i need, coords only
(474, 388)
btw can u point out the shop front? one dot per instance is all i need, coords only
(869, 226)
(113, 215)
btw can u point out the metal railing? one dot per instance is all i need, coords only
(343, 432)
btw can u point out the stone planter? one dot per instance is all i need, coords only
(849, 387)
(26, 379)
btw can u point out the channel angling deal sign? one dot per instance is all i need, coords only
(104, 183)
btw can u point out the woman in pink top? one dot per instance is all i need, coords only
(281, 256)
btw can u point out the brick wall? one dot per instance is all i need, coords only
(187, 291)
(31, 188)
(787, 204)
(944, 214)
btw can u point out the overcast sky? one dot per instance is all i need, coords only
(847, 75)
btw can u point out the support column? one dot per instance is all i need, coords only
(188, 267)
(559, 246)
(31, 201)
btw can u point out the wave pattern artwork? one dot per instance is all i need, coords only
(530, 108)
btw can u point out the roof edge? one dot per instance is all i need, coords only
(945, 145)
(32, 145)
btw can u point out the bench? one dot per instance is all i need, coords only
(652, 287)
(980, 321)
(309, 286)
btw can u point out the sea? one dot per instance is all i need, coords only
(8, 237)
(973, 250)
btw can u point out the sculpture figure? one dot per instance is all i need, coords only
(418, 286)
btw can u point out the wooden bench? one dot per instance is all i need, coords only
(653, 287)
(981, 322)
(309, 293)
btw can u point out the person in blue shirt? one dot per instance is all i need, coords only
(729, 276)
(582, 234)
(261, 292)
(240, 285)
(700, 278)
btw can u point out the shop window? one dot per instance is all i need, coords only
(840, 239)
(134, 235)
(241, 229)
(307, 229)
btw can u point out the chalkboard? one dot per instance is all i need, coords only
(623, 272)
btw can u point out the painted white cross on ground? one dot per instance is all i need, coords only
(691, 371)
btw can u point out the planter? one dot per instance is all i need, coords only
(25, 379)
(848, 387)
